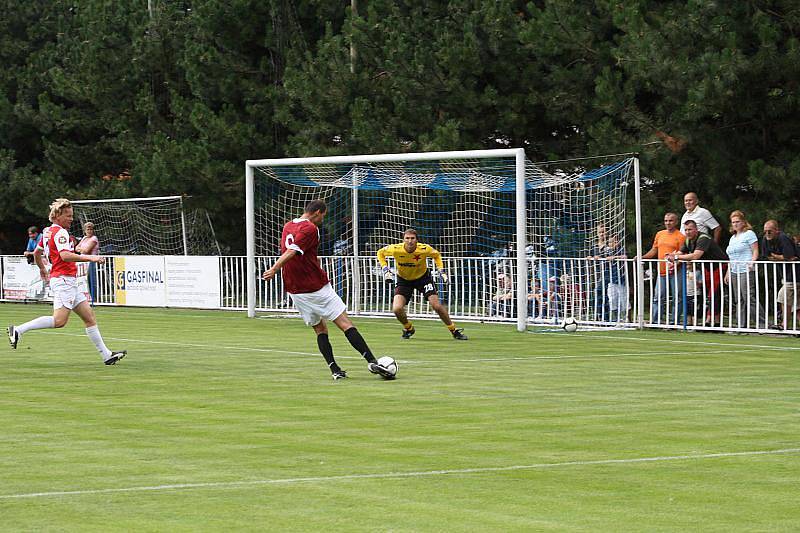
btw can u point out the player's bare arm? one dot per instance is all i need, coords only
(72, 257)
(282, 260)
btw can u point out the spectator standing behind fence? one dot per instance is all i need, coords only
(666, 241)
(699, 246)
(34, 237)
(777, 246)
(90, 245)
(743, 252)
(706, 223)
(599, 273)
(617, 279)
(611, 283)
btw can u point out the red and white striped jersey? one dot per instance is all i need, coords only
(56, 239)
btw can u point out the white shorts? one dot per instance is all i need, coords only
(314, 306)
(66, 292)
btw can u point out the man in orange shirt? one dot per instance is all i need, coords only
(666, 241)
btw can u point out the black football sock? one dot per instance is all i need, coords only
(358, 342)
(327, 351)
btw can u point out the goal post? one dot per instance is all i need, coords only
(355, 181)
(493, 214)
(639, 245)
(522, 221)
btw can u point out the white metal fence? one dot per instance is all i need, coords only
(703, 295)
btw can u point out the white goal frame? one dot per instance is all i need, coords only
(517, 153)
(521, 216)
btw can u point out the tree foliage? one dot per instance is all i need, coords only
(101, 99)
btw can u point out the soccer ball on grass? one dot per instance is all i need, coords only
(390, 364)
(570, 325)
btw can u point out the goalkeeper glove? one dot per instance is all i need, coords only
(388, 277)
(443, 277)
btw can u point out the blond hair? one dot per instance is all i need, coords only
(739, 214)
(58, 207)
(88, 226)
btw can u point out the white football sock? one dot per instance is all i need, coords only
(94, 334)
(43, 322)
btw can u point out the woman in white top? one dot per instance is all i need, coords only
(743, 253)
(90, 245)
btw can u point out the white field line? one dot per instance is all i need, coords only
(395, 475)
(487, 359)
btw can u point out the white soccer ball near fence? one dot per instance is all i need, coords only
(569, 324)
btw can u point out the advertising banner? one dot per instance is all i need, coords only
(193, 281)
(140, 280)
(21, 281)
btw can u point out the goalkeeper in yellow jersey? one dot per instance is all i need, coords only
(410, 258)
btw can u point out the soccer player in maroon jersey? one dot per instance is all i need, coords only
(59, 249)
(311, 290)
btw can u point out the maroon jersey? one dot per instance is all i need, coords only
(302, 274)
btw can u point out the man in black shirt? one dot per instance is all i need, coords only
(699, 246)
(776, 246)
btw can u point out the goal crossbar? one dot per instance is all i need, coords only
(387, 158)
(120, 200)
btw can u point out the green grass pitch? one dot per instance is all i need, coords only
(217, 422)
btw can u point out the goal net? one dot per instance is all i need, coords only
(465, 204)
(146, 226)
(200, 235)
